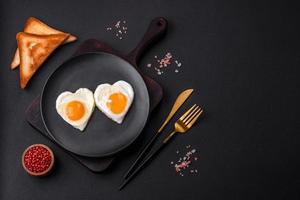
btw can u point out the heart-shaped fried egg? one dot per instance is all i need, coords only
(76, 108)
(114, 100)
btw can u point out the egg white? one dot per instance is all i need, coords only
(86, 97)
(103, 92)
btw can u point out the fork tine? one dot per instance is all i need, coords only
(188, 120)
(187, 112)
(195, 119)
(190, 114)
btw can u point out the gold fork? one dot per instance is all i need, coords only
(182, 125)
(186, 121)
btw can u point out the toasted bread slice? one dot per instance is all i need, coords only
(34, 50)
(35, 26)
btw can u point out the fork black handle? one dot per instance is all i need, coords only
(143, 164)
(141, 155)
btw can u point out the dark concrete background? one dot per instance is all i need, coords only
(242, 59)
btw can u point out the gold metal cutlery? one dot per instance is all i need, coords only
(182, 125)
(182, 97)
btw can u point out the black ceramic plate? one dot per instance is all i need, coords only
(102, 136)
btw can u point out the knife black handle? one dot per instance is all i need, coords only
(141, 155)
(143, 164)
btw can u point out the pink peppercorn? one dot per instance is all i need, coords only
(38, 159)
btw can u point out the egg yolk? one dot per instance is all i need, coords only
(117, 103)
(75, 110)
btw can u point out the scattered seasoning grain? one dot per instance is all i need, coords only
(184, 162)
(161, 64)
(178, 63)
(118, 29)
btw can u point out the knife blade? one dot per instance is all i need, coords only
(182, 97)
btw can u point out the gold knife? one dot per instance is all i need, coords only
(182, 97)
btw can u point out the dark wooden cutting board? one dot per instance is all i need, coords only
(33, 114)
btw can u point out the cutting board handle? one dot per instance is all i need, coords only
(155, 31)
